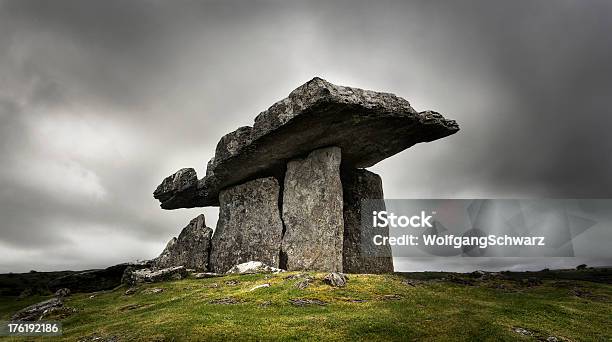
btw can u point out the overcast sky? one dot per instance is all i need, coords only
(100, 100)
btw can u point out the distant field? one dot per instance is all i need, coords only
(371, 307)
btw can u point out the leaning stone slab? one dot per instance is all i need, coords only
(360, 255)
(249, 225)
(134, 277)
(312, 212)
(368, 126)
(37, 311)
(191, 249)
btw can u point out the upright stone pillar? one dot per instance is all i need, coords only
(360, 255)
(249, 226)
(312, 212)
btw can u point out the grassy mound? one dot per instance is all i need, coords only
(371, 307)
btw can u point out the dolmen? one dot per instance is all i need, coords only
(289, 188)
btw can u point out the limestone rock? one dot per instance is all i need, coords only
(38, 310)
(178, 190)
(360, 255)
(253, 267)
(191, 249)
(134, 277)
(249, 225)
(312, 212)
(204, 275)
(368, 126)
(63, 292)
(336, 279)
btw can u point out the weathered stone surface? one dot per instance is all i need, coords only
(63, 292)
(178, 190)
(146, 275)
(360, 255)
(336, 279)
(312, 212)
(249, 225)
(251, 267)
(38, 310)
(205, 275)
(369, 127)
(191, 249)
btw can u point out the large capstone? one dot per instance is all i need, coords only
(312, 212)
(249, 225)
(179, 189)
(368, 126)
(191, 249)
(360, 254)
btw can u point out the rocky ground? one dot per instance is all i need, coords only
(306, 305)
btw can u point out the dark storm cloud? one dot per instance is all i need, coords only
(99, 100)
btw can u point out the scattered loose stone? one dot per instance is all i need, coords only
(356, 300)
(63, 292)
(58, 313)
(36, 311)
(232, 282)
(252, 267)
(304, 283)
(391, 297)
(153, 291)
(224, 301)
(522, 331)
(259, 287)
(306, 301)
(294, 276)
(206, 275)
(213, 286)
(134, 277)
(336, 279)
(131, 291)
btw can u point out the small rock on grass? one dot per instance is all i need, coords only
(205, 275)
(306, 301)
(336, 279)
(304, 283)
(224, 301)
(63, 292)
(153, 291)
(522, 331)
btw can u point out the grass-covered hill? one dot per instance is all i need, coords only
(370, 307)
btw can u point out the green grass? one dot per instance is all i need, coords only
(430, 311)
